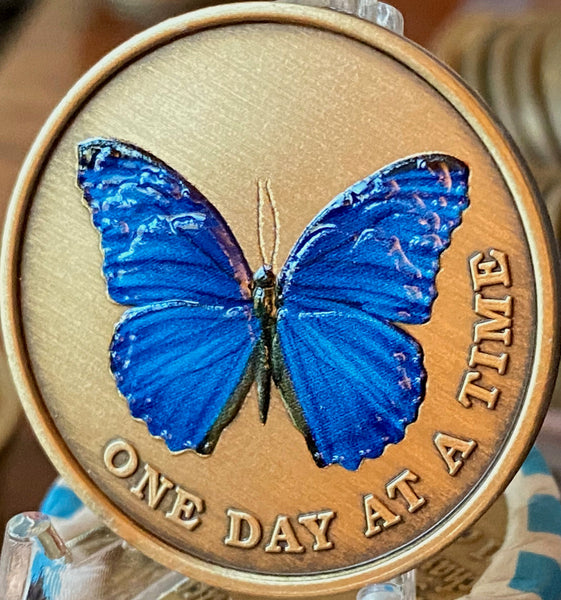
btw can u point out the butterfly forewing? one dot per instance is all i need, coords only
(161, 239)
(377, 245)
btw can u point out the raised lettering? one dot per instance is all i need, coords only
(486, 551)
(244, 530)
(446, 575)
(459, 579)
(470, 536)
(489, 272)
(120, 458)
(402, 484)
(157, 485)
(442, 567)
(469, 391)
(283, 532)
(318, 525)
(498, 326)
(186, 509)
(478, 358)
(454, 451)
(375, 510)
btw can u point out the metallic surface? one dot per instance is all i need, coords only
(536, 131)
(550, 82)
(499, 79)
(228, 96)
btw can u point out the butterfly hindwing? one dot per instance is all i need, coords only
(352, 382)
(161, 239)
(184, 368)
(183, 356)
(367, 262)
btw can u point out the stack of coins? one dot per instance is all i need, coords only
(513, 62)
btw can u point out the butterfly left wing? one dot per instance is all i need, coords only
(185, 369)
(367, 261)
(183, 356)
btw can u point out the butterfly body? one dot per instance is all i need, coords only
(200, 328)
(265, 299)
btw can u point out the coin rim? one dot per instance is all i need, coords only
(541, 247)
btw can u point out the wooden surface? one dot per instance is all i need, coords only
(58, 41)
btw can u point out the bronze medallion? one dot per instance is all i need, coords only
(475, 56)
(455, 36)
(279, 299)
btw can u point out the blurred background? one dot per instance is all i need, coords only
(509, 50)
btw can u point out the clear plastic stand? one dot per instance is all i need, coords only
(379, 13)
(399, 588)
(38, 564)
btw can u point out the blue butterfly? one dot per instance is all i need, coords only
(202, 328)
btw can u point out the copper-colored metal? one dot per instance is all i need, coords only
(550, 82)
(536, 130)
(457, 34)
(312, 101)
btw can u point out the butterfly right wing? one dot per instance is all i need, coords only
(183, 356)
(367, 263)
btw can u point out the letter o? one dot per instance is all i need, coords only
(129, 467)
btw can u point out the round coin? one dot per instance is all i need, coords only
(452, 573)
(552, 197)
(455, 35)
(279, 299)
(475, 54)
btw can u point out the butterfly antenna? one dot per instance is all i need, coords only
(260, 237)
(276, 224)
